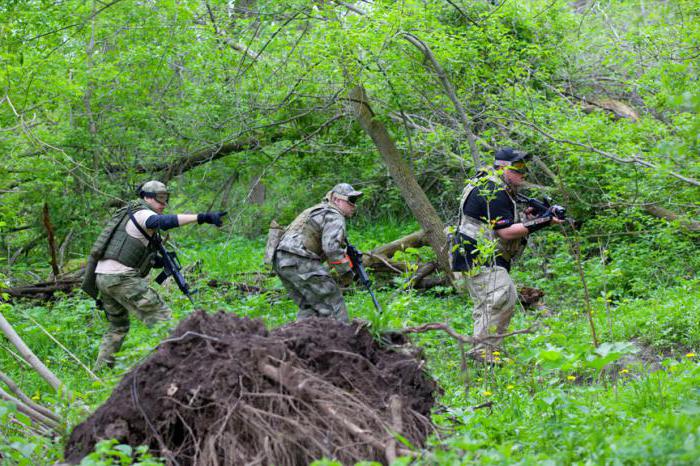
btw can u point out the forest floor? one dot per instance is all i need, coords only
(554, 399)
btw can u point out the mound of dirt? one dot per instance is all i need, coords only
(224, 390)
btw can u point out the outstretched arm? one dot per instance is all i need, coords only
(166, 222)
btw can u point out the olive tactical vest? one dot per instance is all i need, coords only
(303, 237)
(126, 249)
(478, 230)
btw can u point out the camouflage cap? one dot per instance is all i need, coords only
(153, 186)
(345, 191)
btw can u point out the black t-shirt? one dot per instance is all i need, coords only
(488, 204)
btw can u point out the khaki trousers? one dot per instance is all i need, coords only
(494, 295)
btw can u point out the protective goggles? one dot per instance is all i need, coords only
(349, 199)
(519, 167)
(163, 198)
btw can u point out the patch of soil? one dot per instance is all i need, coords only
(224, 390)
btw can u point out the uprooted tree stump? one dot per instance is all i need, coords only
(224, 390)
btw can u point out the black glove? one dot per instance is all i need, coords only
(211, 217)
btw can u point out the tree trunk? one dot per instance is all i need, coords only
(411, 191)
(52, 240)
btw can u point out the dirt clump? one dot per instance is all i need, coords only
(224, 390)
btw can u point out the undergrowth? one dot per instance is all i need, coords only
(554, 399)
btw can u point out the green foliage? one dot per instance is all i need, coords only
(109, 453)
(95, 98)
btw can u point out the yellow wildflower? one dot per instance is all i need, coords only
(496, 353)
(571, 377)
(486, 393)
(624, 371)
(690, 355)
(510, 386)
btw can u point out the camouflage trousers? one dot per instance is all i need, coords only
(494, 295)
(310, 286)
(122, 294)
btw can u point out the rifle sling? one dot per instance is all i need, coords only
(152, 240)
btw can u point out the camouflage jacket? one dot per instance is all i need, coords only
(317, 233)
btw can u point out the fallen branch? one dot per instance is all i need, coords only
(29, 356)
(413, 240)
(29, 411)
(488, 404)
(14, 388)
(660, 212)
(242, 287)
(458, 336)
(43, 290)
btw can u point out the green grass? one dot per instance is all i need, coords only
(556, 399)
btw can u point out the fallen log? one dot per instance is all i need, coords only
(44, 290)
(414, 240)
(660, 212)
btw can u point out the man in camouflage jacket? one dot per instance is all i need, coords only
(318, 234)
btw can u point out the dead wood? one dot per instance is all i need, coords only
(14, 388)
(660, 212)
(414, 240)
(43, 290)
(529, 296)
(432, 282)
(617, 108)
(242, 287)
(422, 272)
(458, 336)
(23, 408)
(30, 357)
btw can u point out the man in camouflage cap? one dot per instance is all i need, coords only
(318, 234)
(121, 259)
(489, 214)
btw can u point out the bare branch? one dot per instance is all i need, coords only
(458, 336)
(29, 356)
(632, 160)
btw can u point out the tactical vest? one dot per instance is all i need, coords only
(123, 247)
(303, 237)
(477, 230)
